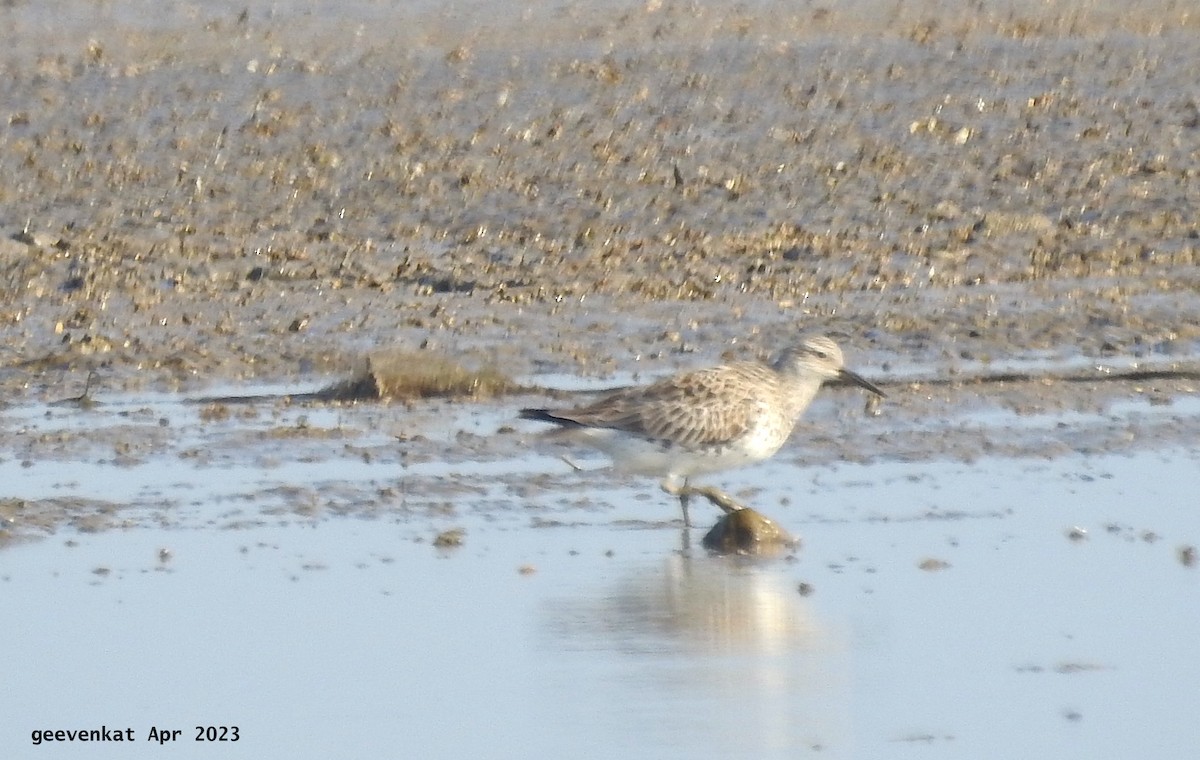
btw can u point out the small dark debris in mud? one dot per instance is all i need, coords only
(542, 522)
(922, 738)
(1187, 556)
(409, 375)
(526, 569)
(805, 589)
(101, 571)
(448, 539)
(165, 555)
(1070, 668)
(1072, 715)
(747, 531)
(1076, 533)
(932, 565)
(303, 430)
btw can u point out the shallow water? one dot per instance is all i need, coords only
(949, 611)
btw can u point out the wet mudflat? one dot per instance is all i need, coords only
(206, 203)
(233, 190)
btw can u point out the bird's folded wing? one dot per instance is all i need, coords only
(693, 409)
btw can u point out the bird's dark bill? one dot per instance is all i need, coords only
(862, 382)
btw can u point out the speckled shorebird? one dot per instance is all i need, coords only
(706, 420)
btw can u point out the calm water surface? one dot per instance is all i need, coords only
(356, 637)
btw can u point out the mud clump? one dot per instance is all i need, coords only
(450, 539)
(400, 375)
(747, 531)
(932, 565)
(24, 519)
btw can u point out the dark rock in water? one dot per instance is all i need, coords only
(747, 531)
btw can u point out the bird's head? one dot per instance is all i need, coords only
(818, 356)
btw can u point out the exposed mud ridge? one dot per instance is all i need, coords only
(1098, 375)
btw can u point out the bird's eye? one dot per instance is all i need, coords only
(820, 354)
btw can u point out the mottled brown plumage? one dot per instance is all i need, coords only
(702, 408)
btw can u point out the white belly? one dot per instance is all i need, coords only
(636, 455)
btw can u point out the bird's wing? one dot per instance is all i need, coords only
(703, 407)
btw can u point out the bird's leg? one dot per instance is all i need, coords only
(714, 495)
(571, 464)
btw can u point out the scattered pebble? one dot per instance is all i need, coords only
(1187, 556)
(449, 538)
(933, 565)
